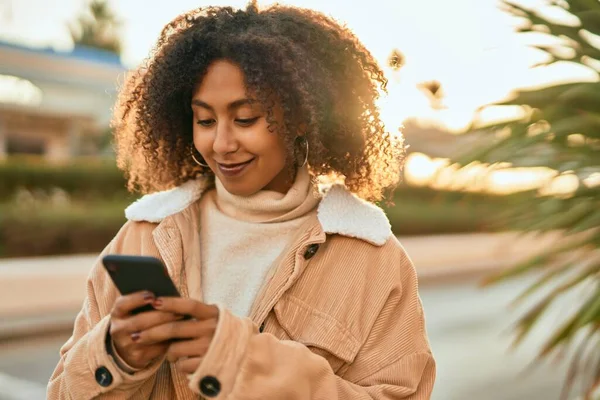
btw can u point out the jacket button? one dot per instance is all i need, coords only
(210, 386)
(311, 251)
(103, 377)
(262, 327)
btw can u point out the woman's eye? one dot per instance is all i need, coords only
(246, 121)
(206, 122)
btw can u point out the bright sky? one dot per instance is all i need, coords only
(468, 45)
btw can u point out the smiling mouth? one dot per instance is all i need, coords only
(234, 169)
(236, 165)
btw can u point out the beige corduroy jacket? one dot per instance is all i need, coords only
(339, 318)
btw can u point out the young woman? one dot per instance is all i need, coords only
(256, 138)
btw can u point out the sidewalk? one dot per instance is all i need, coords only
(40, 294)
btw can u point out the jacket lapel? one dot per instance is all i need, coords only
(188, 224)
(167, 239)
(287, 270)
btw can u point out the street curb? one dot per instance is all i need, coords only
(13, 328)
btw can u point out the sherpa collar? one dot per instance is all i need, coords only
(339, 212)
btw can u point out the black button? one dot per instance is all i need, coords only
(262, 328)
(210, 386)
(103, 377)
(311, 251)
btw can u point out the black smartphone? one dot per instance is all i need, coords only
(132, 274)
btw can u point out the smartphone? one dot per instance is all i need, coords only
(132, 274)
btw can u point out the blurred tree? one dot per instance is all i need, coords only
(561, 130)
(97, 27)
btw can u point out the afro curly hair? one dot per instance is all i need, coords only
(323, 79)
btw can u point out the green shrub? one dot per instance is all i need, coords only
(78, 208)
(84, 178)
(425, 211)
(39, 227)
(41, 231)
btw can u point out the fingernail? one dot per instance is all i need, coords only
(157, 303)
(148, 296)
(135, 336)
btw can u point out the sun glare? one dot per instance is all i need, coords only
(438, 173)
(593, 180)
(420, 169)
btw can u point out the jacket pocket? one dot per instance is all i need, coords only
(320, 332)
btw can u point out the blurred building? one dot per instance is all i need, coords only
(55, 104)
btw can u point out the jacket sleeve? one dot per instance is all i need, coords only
(395, 362)
(85, 369)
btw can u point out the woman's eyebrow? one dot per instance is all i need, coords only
(231, 106)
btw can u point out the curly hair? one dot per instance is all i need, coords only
(325, 81)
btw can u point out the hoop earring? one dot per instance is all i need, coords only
(195, 159)
(303, 139)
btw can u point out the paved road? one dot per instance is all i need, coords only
(470, 333)
(468, 329)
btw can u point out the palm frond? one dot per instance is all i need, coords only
(560, 130)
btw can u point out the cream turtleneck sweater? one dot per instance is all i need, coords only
(242, 237)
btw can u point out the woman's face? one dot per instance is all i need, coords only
(231, 133)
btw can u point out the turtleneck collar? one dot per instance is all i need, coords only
(268, 206)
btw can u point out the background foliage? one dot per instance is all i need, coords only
(77, 207)
(560, 130)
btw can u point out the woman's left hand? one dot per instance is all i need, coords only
(193, 336)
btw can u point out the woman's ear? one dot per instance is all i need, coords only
(302, 129)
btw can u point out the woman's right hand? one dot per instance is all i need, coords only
(125, 328)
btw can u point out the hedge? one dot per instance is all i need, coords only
(26, 231)
(89, 227)
(87, 211)
(80, 178)
(424, 211)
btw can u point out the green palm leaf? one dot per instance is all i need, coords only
(561, 130)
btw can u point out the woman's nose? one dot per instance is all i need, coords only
(225, 141)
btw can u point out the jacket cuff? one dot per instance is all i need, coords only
(103, 367)
(216, 375)
(122, 364)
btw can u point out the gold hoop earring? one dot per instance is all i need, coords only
(195, 159)
(303, 139)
